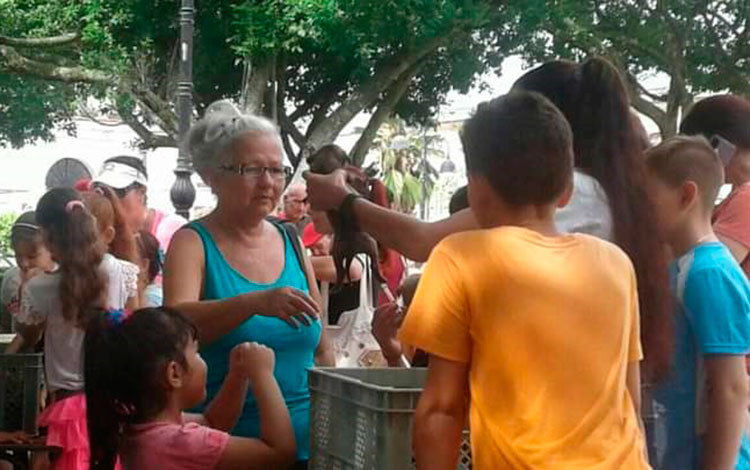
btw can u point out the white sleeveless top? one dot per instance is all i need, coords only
(588, 211)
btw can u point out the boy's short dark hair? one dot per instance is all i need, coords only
(522, 144)
(724, 115)
(680, 159)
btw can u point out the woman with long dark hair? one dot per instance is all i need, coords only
(608, 198)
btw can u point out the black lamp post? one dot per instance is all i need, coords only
(183, 192)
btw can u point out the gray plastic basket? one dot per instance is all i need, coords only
(361, 419)
(20, 380)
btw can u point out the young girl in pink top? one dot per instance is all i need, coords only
(142, 371)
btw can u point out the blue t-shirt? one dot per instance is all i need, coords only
(713, 317)
(294, 348)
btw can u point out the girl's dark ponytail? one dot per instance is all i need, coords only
(73, 239)
(593, 98)
(104, 423)
(608, 147)
(124, 360)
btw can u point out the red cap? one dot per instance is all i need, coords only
(310, 236)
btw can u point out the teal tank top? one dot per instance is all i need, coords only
(294, 348)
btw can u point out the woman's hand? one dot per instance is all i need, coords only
(326, 192)
(289, 304)
(385, 324)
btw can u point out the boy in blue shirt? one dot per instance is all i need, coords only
(702, 406)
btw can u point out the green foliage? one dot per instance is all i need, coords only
(31, 109)
(401, 160)
(324, 52)
(6, 251)
(702, 46)
(333, 47)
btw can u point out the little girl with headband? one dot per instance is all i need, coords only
(59, 304)
(32, 258)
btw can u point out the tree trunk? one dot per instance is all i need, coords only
(384, 111)
(254, 88)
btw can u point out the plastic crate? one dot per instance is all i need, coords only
(20, 381)
(361, 419)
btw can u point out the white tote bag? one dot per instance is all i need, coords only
(352, 339)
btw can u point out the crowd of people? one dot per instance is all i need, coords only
(585, 305)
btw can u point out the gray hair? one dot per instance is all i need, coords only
(210, 138)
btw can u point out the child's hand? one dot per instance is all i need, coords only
(19, 437)
(385, 325)
(255, 360)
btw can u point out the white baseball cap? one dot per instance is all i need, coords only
(119, 175)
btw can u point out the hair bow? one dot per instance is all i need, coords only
(116, 317)
(222, 119)
(72, 204)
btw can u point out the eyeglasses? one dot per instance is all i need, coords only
(296, 201)
(255, 172)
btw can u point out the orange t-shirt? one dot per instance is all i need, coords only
(732, 220)
(548, 327)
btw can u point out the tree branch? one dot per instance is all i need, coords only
(254, 86)
(323, 99)
(89, 115)
(654, 96)
(285, 123)
(164, 115)
(150, 140)
(318, 116)
(644, 106)
(18, 64)
(384, 111)
(294, 158)
(40, 42)
(369, 92)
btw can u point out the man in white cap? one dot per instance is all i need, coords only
(128, 177)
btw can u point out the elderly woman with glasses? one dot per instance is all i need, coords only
(236, 273)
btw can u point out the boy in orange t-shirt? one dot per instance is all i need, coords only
(536, 331)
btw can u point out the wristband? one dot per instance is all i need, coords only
(346, 208)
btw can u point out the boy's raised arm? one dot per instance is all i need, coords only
(408, 235)
(727, 406)
(441, 415)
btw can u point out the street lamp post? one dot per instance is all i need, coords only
(183, 192)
